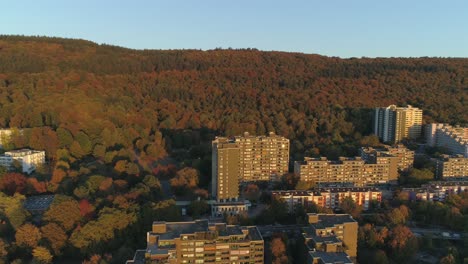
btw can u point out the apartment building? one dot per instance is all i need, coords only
(202, 242)
(451, 167)
(405, 157)
(28, 159)
(329, 197)
(453, 139)
(225, 169)
(331, 237)
(347, 170)
(263, 158)
(247, 158)
(436, 190)
(392, 123)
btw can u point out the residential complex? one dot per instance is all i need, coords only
(202, 242)
(436, 191)
(347, 170)
(329, 197)
(331, 238)
(451, 166)
(405, 157)
(453, 139)
(392, 123)
(28, 159)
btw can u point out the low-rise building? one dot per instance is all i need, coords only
(329, 197)
(28, 159)
(237, 207)
(436, 190)
(333, 235)
(202, 242)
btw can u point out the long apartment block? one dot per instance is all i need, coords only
(329, 197)
(453, 139)
(436, 190)
(348, 170)
(202, 242)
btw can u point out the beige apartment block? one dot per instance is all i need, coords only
(347, 170)
(244, 159)
(405, 157)
(334, 236)
(452, 167)
(202, 242)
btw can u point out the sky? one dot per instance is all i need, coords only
(343, 28)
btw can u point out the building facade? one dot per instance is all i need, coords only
(436, 190)
(329, 197)
(334, 236)
(451, 167)
(453, 139)
(405, 157)
(28, 159)
(202, 242)
(263, 158)
(225, 169)
(347, 170)
(392, 123)
(247, 159)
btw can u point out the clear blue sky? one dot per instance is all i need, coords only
(372, 28)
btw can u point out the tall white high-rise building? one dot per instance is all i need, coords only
(392, 123)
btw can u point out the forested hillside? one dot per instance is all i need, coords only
(115, 121)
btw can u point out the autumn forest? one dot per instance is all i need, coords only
(116, 123)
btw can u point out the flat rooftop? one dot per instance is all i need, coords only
(330, 220)
(331, 257)
(205, 230)
(38, 202)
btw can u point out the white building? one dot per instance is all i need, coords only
(28, 159)
(454, 139)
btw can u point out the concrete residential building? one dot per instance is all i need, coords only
(453, 139)
(451, 167)
(247, 158)
(333, 235)
(347, 170)
(263, 158)
(28, 159)
(405, 157)
(392, 123)
(225, 179)
(202, 242)
(225, 169)
(436, 190)
(329, 197)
